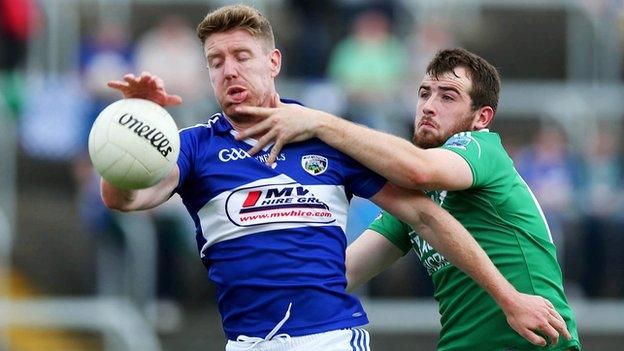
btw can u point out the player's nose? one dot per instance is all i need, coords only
(428, 107)
(229, 69)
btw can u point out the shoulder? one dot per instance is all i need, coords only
(196, 139)
(201, 128)
(335, 154)
(484, 153)
(480, 141)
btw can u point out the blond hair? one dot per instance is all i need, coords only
(233, 17)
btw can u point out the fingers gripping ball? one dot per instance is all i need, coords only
(134, 143)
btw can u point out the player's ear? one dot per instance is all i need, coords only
(276, 62)
(483, 117)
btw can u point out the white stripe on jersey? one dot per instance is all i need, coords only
(476, 142)
(208, 124)
(539, 208)
(276, 203)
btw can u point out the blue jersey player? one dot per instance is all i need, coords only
(272, 237)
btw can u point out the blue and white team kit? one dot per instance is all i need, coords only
(272, 238)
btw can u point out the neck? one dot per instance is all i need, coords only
(241, 123)
(240, 126)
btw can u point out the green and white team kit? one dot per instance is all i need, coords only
(502, 214)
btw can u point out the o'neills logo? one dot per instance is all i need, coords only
(153, 135)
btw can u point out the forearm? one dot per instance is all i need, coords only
(357, 271)
(357, 279)
(367, 256)
(454, 242)
(140, 199)
(393, 158)
(449, 238)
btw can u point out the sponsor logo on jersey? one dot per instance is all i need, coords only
(265, 157)
(276, 203)
(430, 258)
(438, 196)
(314, 164)
(458, 141)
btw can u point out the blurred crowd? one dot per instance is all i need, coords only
(359, 59)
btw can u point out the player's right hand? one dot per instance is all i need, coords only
(146, 86)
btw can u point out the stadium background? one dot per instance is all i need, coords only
(73, 276)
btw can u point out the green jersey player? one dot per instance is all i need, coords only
(499, 210)
(465, 168)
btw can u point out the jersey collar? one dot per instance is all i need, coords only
(223, 125)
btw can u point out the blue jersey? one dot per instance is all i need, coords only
(272, 236)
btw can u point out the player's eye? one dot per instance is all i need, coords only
(242, 58)
(215, 63)
(447, 98)
(423, 94)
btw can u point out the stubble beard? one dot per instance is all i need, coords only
(429, 140)
(245, 120)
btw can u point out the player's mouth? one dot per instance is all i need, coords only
(237, 94)
(427, 124)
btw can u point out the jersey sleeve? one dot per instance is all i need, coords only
(394, 230)
(188, 140)
(478, 152)
(359, 180)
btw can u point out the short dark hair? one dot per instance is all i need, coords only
(485, 78)
(234, 17)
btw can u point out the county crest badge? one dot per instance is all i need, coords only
(314, 164)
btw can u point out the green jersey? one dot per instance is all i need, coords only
(504, 217)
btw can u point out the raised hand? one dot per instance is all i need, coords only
(146, 86)
(534, 317)
(283, 124)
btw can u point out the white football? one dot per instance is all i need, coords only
(134, 143)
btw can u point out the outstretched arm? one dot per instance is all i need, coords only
(369, 255)
(526, 314)
(151, 88)
(141, 199)
(393, 158)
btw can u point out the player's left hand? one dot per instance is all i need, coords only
(534, 317)
(283, 124)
